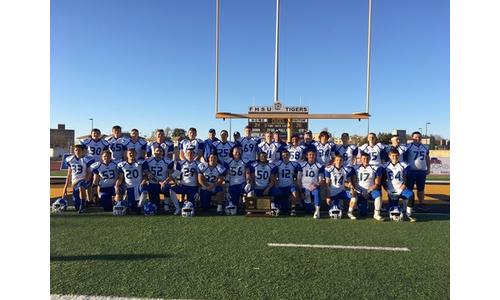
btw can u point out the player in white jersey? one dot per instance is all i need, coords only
(337, 177)
(191, 142)
(160, 176)
(138, 144)
(236, 177)
(161, 141)
(134, 174)
(310, 177)
(262, 177)
(211, 178)
(105, 176)
(223, 147)
(188, 170)
(325, 149)
(394, 175)
(272, 149)
(417, 156)
(348, 152)
(95, 145)
(375, 149)
(396, 145)
(366, 183)
(287, 173)
(249, 145)
(297, 152)
(79, 175)
(117, 144)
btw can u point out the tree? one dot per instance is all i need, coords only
(168, 131)
(178, 132)
(384, 137)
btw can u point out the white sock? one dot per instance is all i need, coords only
(378, 205)
(273, 206)
(173, 199)
(143, 198)
(317, 209)
(219, 207)
(408, 211)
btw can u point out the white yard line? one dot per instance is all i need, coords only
(338, 247)
(85, 297)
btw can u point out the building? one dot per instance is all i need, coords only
(62, 141)
(400, 133)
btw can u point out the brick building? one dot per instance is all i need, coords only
(62, 141)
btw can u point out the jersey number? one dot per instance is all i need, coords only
(108, 174)
(131, 174)
(236, 173)
(261, 174)
(420, 154)
(77, 169)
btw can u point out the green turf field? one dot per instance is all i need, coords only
(214, 257)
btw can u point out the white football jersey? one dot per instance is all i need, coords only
(118, 146)
(132, 172)
(296, 153)
(236, 172)
(366, 176)
(79, 166)
(189, 172)
(95, 147)
(338, 177)
(249, 147)
(395, 176)
(401, 149)
(273, 151)
(324, 152)
(223, 150)
(349, 153)
(159, 168)
(311, 173)
(262, 174)
(108, 174)
(168, 148)
(377, 153)
(417, 156)
(139, 146)
(286, 173)
(196, 143)
(211, 174)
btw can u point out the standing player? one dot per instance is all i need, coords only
(420, 166)
(235, 176)
(138, 144)
(105, 176)
(272, 149)
(94, 144)
(287, 174)
(297, 153)
(236, 137)
(79, 175)
(160, 171)
(367, 182)
(308, 143)
(161, 141)
(337, 176)
(249, 145)
(191, 143)
(208, 144)
(374, 149)
(394, 173)
(277, 139)
(188, 184)
(262, 176)
(211, 178)
(133, 173)
(396, 145)
(223, 147)
(117, 144)
(310, 177)
(348, 152)
(325, 149)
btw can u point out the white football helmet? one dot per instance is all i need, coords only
(335, 212)
(59, 205)
(120, 208)
(231, 209)
(188, 209)
(395, 214)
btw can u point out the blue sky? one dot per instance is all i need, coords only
(150, 64)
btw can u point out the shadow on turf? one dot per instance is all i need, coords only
(110, 257)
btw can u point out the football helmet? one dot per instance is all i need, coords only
(149, 209)
(396, 214)
(335, 212)
(59, 205)
(231, 209)
(275, 211)
(187, 209)
(120, 208)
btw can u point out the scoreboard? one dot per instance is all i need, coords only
(261, 126)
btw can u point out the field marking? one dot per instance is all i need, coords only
(86, 297)
(338, 247)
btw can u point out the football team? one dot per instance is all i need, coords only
(130, 174)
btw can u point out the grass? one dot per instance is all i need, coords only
(438, 177)
(215, 257)
(59, 173)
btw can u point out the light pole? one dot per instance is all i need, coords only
(428, 123)
(420, 129)
(91, 124)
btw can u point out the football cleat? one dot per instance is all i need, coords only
(378, 217)
(59, 205)
(351, 216)
(395, 214)
(335, 213)
(316, 215)
(149, 209)
(231, 209)
(177, 211)
(188, 209)
(409, 218)
(120, 208)
(293, 213)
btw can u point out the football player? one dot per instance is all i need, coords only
(191, 142)
(394, 173)
(138, 144)
(160, 171)
(366, 183)
(188, 169)
(79, 175)
(161, 141)
(348, 152)
(249, 145)
(311, 176)
(420, 166)
(236, 137)
(211, 178)
(297, 153)
(396, 145)
(337, 177)
(133, 173)
(209, 147)
(105, 176)
(95, 145)
(262, 176)
(308, 143)
(117, 144)
(277, 139)
(374, 149)
(287, 174)
(325, 149)
(223, 147)
(236, 177)
(272, 149)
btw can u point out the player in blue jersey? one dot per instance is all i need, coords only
(134, 174)
(211, 180)
(188, 171)
(223, 147)
(272, 149)
(105, 176)
(191, 142)
(366, 183)
(347, 151)
(160, 171)
(375, 149)
(308, 142)
(417, 156)
(236, 137)
(79, 175)
(160, 141)
(117, 144)
(310, 178)
(209, 144)
(325, 149)
(138, 144)
(394, 176)
(337, 177)
(236, 178)
(262, 176)
(249, 145)
(94, 144)
(277, 139)
(286, 177)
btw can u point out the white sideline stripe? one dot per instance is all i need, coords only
(85, 297)
(338, 247)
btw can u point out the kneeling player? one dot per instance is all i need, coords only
(188, 184)
(236, 177)
(310, 177)
(105, 176)
(211, 179)
(133, 173)
(160, 170)
(394, 173)
(287, 171)
(79, 175)
(367, 185)
(263, 176)
(337, 176)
